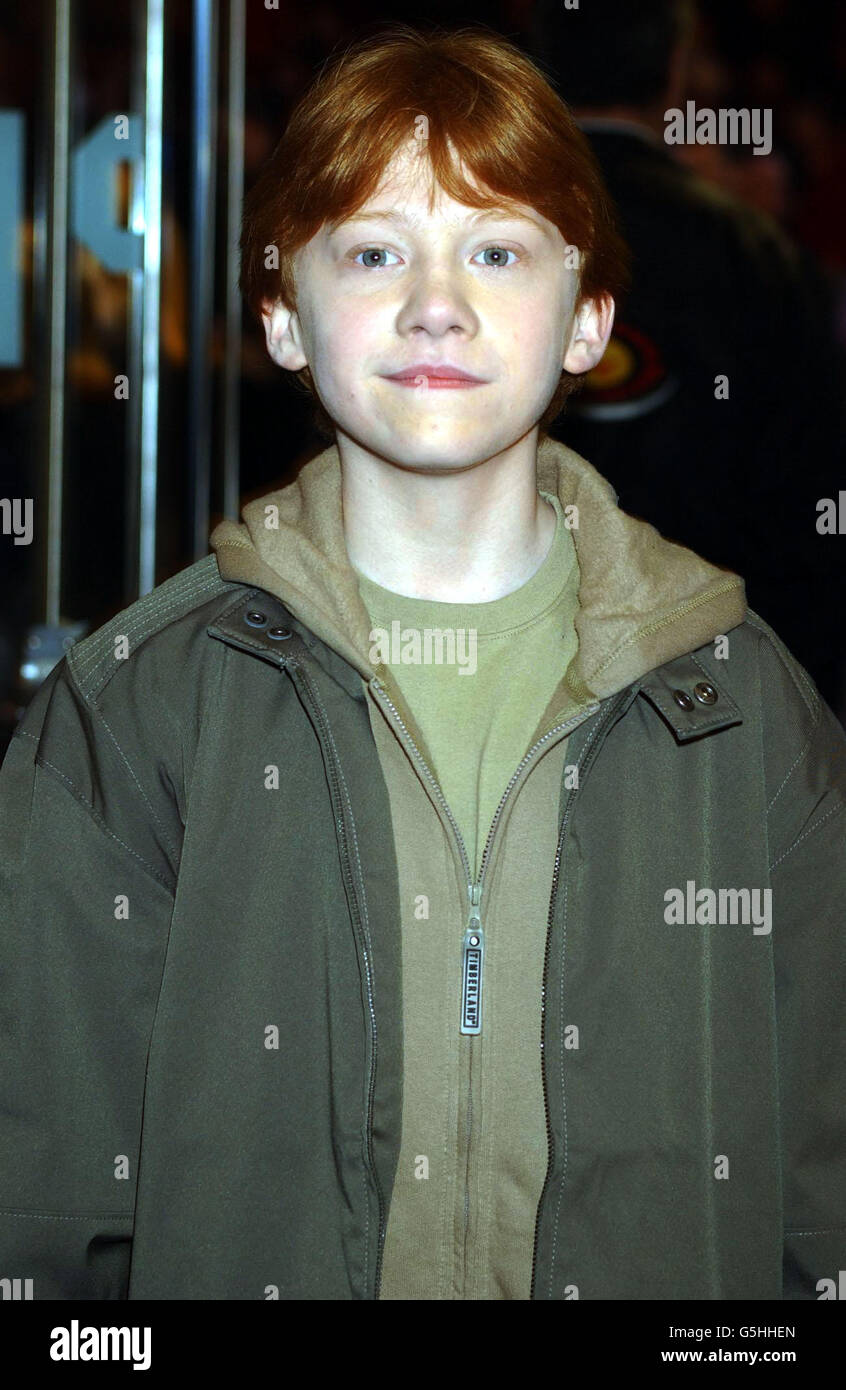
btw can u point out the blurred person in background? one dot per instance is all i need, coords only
(717, 411)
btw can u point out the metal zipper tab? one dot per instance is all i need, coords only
(472, 966)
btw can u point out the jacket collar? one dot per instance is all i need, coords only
(643, 600)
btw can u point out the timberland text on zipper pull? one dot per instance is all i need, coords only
(472, 962)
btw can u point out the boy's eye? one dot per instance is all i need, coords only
(501, 251)
(373, 251)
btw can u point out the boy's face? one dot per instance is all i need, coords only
(490, 294)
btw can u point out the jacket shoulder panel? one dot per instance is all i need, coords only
(91, 661)
(739, 667)
(787, 661)
(113, 720)
(804, 749)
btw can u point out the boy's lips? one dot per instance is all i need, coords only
(437, 376)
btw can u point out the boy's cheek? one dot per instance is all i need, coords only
(351, 348)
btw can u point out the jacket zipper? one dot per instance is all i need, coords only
(473, 943)
(472, 966)
(552, 897)
(474, 936)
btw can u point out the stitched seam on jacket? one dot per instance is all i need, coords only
(142, 630)
(789, 774)
(199, 576)
(240, 600)
(56, 1216)
(365, 924)
(720, 680)
(820, 1231)
(84, 668)
(246, 638)
(814, 709)
(835, 810)
(98, 820)
(662, 704)
(87, 664)
(806, 690)
(255, 645)
(149, 804)
(561, 1049)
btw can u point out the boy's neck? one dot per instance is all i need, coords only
(470, 536)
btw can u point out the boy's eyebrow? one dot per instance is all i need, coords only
(486, 215)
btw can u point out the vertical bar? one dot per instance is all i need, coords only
(12, 219)
(202, 269)
(135, 326)
(154, 72)
(40, 306)
(234, 195)
(55, 286)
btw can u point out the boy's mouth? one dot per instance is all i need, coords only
(437, 377)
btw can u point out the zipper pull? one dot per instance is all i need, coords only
(472, 962)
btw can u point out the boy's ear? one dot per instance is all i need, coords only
(589, 336)
(282, 335)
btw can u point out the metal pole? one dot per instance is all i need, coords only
(152, 293)
(234, 195)
(135, 328)
(202, 270)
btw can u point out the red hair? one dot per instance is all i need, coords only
(481, 95)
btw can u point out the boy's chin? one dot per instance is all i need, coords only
(452, 446)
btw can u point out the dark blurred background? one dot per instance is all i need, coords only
(739, 271)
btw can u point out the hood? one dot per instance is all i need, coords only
(643, 600)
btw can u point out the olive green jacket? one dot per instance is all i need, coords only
(200, 945)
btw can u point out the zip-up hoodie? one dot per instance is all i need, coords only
(475, 1146)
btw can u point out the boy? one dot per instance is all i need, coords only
(436, 891)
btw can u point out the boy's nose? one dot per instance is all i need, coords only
(437, 302)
